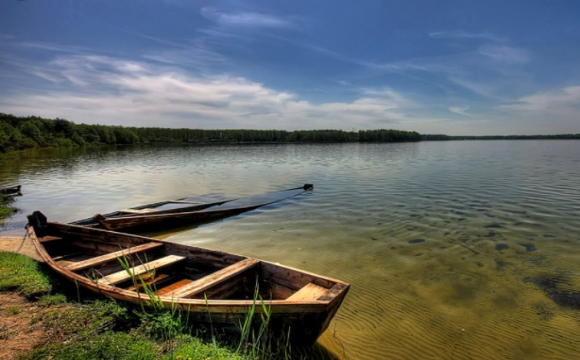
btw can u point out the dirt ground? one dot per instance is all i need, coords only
(19, 245)
(18, 330)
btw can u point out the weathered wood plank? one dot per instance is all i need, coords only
(81, 265)
(137, 211)
(149, 281)
(47, 238)
(206, 282)
(309, 292)
(174, 286)
(123, 275)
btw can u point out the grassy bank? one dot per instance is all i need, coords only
(63, 322)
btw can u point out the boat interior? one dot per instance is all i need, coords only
(179, 271)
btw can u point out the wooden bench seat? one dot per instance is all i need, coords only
(308, 292)
(81, 265)
(149, 281)
(137, 211)
(123, 275)
(173, 286)
(215, 278)
(47, 238)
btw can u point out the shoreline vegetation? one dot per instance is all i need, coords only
(20, 133)
(44, 317)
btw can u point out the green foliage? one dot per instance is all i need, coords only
(52, 299)
(23, 274)
(439, 137)
(189, 347)
(18, 133)
(84, 321)
(103, 346)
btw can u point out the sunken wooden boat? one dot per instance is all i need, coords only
(11, 190)
(172, 214)
(212, 286)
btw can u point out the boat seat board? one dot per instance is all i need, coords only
(175, 285)
(149, 281)
(308, 292)
(123, 275)
(136, 211)
(215, 278)
(81, 265)
(46, 239)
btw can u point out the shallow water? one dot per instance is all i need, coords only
(462, 249)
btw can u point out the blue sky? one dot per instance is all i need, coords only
(452, 67)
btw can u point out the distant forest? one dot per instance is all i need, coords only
(499, 137)
(18, 133)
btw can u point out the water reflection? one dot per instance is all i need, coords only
(453, 249)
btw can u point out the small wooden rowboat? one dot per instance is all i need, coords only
(213, 286)
(12, 190)
(174, 213)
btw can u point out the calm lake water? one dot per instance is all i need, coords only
(461, 249)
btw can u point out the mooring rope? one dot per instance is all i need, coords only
(22, 242)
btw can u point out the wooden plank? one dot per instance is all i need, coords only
(46, 239)
(121, 276)
(175, 285)
(81, 265)
(137, 211)
(217, 277)
(148, 281)
(309, 292)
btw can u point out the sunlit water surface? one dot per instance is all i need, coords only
(453, 249)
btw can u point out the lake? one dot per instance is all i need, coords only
(459, 249)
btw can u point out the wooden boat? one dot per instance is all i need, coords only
(12, 190)
(213, 286)
(162, 217)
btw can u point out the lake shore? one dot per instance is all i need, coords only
(19, 245)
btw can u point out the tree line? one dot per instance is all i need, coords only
(18, 133)
(440, 137)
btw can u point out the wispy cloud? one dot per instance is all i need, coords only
(505, 54)
(138, 94)
(245, 19)
(459, 110)
(462, 34)
(568, 97)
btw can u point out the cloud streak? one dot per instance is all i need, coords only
(109, 90)
(245, 19)
(462, 34)
(565, 98)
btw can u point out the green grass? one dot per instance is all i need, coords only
(107, 345)
(24, 275)
(81, 326)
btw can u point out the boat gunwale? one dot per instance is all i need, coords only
(239, 306)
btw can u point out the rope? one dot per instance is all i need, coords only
(22, 242)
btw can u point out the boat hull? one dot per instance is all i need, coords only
(220, 288)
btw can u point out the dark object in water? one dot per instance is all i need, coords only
(491, 234)
(529, 247)
(551, 286)
(183, 211)
(11, 190)
(212, 286)
(493, 225)
(416, 241)
(549, 236)
(500, 247)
